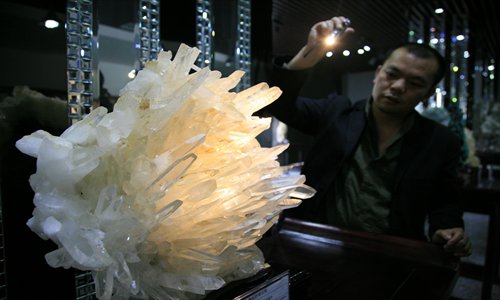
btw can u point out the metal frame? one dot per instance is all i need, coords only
(149, 31)
(204, 33)
(3, 280)
(80, 64)
(242, 55)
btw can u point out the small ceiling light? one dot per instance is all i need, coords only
(132, 74)
(367, 48)
(51, 21)
(361, 51)
(329, 54)
(439, 11)
(51, 24)
(460, 37)
(491, 67)
(346, 53)
(434, 41)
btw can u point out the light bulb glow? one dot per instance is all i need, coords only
(131, 74)
(330, 40)
(439, 99)
(51, 24)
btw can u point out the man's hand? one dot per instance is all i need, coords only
(318, 42)
(455, 241)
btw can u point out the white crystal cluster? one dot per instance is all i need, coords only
(165, 197)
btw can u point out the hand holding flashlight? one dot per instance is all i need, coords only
(330, 40)
(331, 25)
(320, 39)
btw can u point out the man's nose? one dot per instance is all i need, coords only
(399, 85)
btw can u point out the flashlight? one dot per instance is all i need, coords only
(330, 40)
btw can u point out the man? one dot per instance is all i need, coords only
(377, 165)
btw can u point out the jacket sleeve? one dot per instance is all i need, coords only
(304, 114)
(426, 181)
(445, 210)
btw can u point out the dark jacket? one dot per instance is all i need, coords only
(425, 178)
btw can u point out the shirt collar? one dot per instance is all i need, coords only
(407, 124)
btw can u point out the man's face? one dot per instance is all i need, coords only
(402, 82)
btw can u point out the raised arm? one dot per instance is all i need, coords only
(298, 112)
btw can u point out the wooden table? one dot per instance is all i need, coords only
(484, 198)
(358, 265)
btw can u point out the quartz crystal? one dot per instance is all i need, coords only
(166, 196)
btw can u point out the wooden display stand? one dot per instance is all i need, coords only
(358, 265)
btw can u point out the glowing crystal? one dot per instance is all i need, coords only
(164, 197)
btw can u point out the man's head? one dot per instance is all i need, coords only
(408, 76)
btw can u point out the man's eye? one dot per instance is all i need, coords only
(416, 84)
(390, 74)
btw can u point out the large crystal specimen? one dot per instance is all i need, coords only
(164, 197)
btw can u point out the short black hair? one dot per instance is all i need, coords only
(424, 51)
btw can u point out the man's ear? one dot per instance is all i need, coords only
(377, 71)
